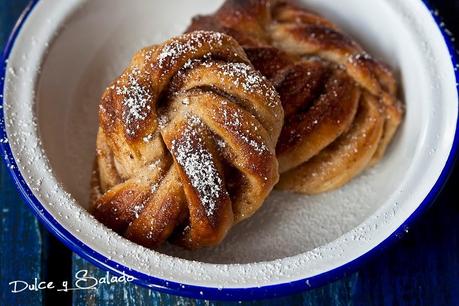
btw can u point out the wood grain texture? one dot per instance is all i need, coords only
(20, 234)
(20, 240)
(20, 237)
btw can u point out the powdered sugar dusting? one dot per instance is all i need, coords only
(147, 138)
(189, 43)
(162, 121)
(154, 165)
(136, 209)
(136, 101)
(251, 81)
(234, 120)
(197, 162)
(154, 187)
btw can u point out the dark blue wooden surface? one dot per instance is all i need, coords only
(20, 234)
(422, 268)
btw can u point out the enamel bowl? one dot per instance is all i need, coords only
(63, 54)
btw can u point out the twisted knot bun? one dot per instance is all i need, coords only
(186, 144)
(340, 104)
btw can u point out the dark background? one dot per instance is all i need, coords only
(421, 268)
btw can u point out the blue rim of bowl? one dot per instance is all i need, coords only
(193, 291)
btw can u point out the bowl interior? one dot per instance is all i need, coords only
(80, 51)
(87, 54)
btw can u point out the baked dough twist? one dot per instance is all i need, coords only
(186, 144)
(340, 104)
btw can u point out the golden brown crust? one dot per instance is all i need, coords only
(186, 122)
(326, 81)
(343, 159)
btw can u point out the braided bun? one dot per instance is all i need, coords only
(340, 104)
(186, 144)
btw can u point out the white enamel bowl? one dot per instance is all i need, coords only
(63, 54)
